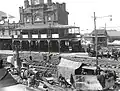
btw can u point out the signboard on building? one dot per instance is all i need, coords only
(34, 36)
(15, 36)
(25, 36)
(55, 36)
(43, 35)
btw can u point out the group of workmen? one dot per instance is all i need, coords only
(31, 77)
(113, 55)
(106, 78)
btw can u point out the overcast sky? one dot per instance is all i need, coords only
(80, 12)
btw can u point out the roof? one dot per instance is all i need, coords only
(17, 87)
(49, 78)
(98, 36)
(99, 31)
(5, 37)
(6, 15)
(90, 67)
(6, 79)
(113, 33)
(69, 64)
(27, 10)
(2, 13)
(44, 26)
(116, 42)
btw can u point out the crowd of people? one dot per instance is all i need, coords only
(63, 82)
(114, 54)
(103, 53)
(38, 71)
(46, 67)
(106, 78)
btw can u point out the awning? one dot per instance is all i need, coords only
(69, 64)
(44, 26)
(5, 37)
(98, 36)
(67, 67)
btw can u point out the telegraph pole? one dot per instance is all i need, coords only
(95, 47)
(105, 26)
(95, 39)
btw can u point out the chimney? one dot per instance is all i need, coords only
(41, 1)
(21, 11)
(49, 2)
(64, 6)
(32, 2)
(57, 5)
(26, 3)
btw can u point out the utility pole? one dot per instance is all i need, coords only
(32, 15)
(59, 46)
(49, 33)
(95, 39)
(95, 47)
(105, 26)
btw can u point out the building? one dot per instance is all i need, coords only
(7, 30)
(113, 35)
(105, 38)
(101, 37)
(52, 38)
(44, 13)
(113, 38)
(44, 27)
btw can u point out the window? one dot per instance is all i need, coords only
(49, 18)
(38, 16)
(6, 32)
(36, 2)
(3, 31)
(38, 19)
(28, 20)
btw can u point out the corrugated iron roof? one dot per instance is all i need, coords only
(113, 33)
(99, 31)
(2, 13)
(5, 15)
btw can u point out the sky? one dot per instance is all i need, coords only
(81, 12)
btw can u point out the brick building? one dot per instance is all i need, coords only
(101, 37)
(7, 30)
(105, 38)
(44, 13)
(44, 27)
